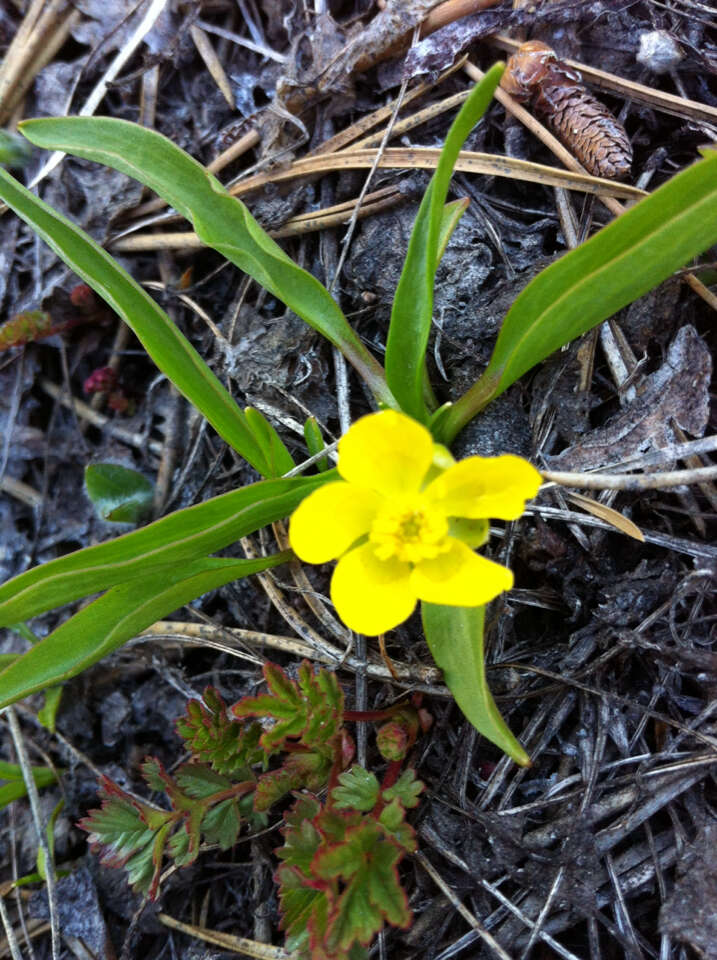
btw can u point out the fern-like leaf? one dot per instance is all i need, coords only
(213, 737)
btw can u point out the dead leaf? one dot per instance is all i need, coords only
(603, 512)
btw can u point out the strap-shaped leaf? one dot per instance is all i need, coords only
(185, 535)
(455, 638)
(413, 303)
(169, 349)
(220, 220)
(620, 263)
(117, 616)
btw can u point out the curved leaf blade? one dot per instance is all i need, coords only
(169, 349)
(620, 263)
(182, 536)
(455, 638)
(220, 220)
(122, 613)
(413, 302)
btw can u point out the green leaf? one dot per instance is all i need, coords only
(120, 494)
(15, 789)
(199, 781)
(393, 820)
(122, 613)
(119, 830)
(366, 861)
(50, 836)
(222, 824)
(311, 708)
(13, 149)
(298, 906)
(455, 638)
(301, 838)
(358, 791)
(47, 714)
(406, 789)
(184, 535)
(169, 349)
(214, 738)
(413, 303)
(276, 457)
(315, 442)
(307, 769)
(220, 220)
(620, 263)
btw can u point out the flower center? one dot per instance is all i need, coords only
(411, 532)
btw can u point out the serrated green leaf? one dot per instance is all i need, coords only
(117, 827)
(356, 916)
(185, 535)
(214, 738)
(358, 791)
(455, 639)
(117, 616)
(348, 857)
(384, 887)
(199, 781)
(155, 776)
(298, 906)
(620, 263)
(119, 494)
(222, 824)
(311, 709)
(178, 848)
(367, 863)
(141, 871)
(169, 349)
(392, 819)
(406, 789)
(300, 845)
(412, 311)
(220, 220)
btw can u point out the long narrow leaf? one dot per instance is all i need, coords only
(182, 536)
(413, 303)
(624, 260)
(220, 220)
(169, 349)
(455, 638)
(116, 617)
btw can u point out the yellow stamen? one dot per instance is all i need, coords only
(409, 531)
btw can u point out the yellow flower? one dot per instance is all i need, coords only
(403, 521)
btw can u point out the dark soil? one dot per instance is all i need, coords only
(602, 659)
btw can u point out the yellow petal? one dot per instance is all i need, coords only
(460, 578)
(485, 487)
(386, 451)
(330, 520)
(372, 595)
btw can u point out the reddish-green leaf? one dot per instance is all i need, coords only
(214, 738)
(310, 709)
(406, 789)
(358, 791)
